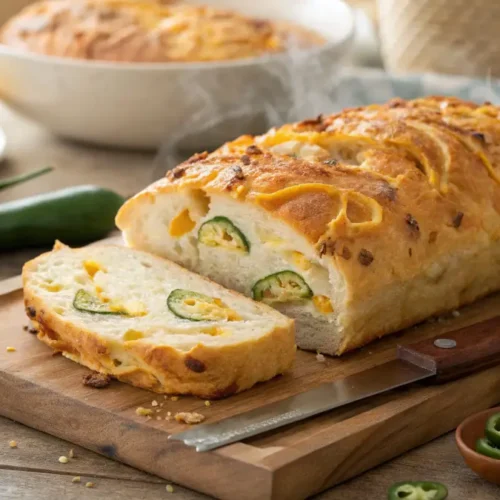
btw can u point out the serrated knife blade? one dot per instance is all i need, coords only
(326, 397)
(443, 358)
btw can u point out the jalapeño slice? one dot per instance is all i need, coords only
(418, 490)
(86, 302)
(285, 286)
(221, 232)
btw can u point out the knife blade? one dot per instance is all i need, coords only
(440, 359)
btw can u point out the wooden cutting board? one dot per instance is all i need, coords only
(46, 392)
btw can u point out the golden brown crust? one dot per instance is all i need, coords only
(210, 372)
(146, 31)
(406, 184)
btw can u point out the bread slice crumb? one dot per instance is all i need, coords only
(143, 412)
(190, 418)
(96, 380)
(320, 358)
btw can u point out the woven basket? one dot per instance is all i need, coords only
(442, 36)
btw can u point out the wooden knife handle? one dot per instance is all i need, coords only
(477, 347)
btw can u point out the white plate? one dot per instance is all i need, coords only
(144, 105)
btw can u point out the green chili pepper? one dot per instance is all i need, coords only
(86, 302)
(284, 286)
(221, 232)
(488, 449)
(493, 430)
(75, 216)
(190, 305)
(18, 179)
(418, 490)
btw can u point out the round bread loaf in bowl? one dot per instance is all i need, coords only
(148, 74)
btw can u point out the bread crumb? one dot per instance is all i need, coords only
(25, 328)
(320, 358)
(71, 454)
(190, 418)
(158, 410)
(10, 349)
(161, 405)
(63, 460)
(158, 418)
(170, 488)
(76, 479)
(165, 397)
(175, 398)
(169, 413)
(13, 444)
(207, 403)
(143, 412)
(89, 485)
(154, 402)
(96, 380)
(455, 314)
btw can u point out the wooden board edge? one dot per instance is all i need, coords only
(338, 454)
(11, 285)
(132, 443)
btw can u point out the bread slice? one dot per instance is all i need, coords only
(153, 324)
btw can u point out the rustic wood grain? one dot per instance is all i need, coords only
(438, 461)
(40, 452)
(22, 485)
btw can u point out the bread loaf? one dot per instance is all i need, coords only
(147, 31)
(379, 217)
(151, 323)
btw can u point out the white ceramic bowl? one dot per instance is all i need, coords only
(145, 105)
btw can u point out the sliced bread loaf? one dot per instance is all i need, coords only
(356, 224)
(153, 324)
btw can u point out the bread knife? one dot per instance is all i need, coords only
(441, 359)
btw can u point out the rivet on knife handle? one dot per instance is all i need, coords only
(476, 347)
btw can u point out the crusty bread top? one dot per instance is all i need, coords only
(136, 285)
(147, 31)
(382, 191)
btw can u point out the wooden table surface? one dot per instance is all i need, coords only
(32, 471)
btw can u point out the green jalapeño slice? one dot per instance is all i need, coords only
(195, 306)
(493, 429)
(221, 232)
(285, 286)
(86, 302)
(418, 490)
(487, 448)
